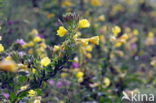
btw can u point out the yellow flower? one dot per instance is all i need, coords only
(64, 75)
(106, 82)
(43, 45)
(84, 23)
(8, 58)
(1, 48)
(30, 51)
(67, 3)
(56, 48)
(118, 44)
(125, 37)
(80, 74)
(96, 2)
(8, 65)
(76, 35)
(45, 61)
(94, 40)
(88, 55)
(135, 32)
(89, 48)
(37, 39)
(80, 79)
(24, 87)
(101, 18)
(30, 44)
(33, 70)
(31, 93)
(151, 35)
(112, 38)
(62, 31)
(34, 32)
(84, 42)
(116, 30)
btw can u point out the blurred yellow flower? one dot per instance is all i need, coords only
(64, 75)
(116, 30)
(89, 48)
(67, 3)
(37, 39)
(8, 65)
(1, 48)
(135, 31)
(88, 55)
(30, 44)
(80, 79)
(34, 32)
(106, 82)
(151, 35)
(8, 58)
(31, 93)
(56, 48)
(94, 40)
(101, 18)
(118, 44)
(84, 23)
(84, 42)
(80, 74)
(45, 61)
(96, 2)
(24, 87)
(62, 31)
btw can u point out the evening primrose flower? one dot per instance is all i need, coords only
(8, 58)
(80, 74)
(135, 31)
(1, 48)
(96, 2)
(89, 48)
(101, 18)
(45, 61)
(67, 3)
(106, 82)
(8, 65)
(61, 31)
(37, 39)
(94, 40)
(56, 48)
(84, 42)
(118, 44)
(31, 93)
(24, 87)
(34, 32)
(116, 30)
(84, 23)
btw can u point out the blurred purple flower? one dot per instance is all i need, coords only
(10, 22)
(51, 82)
(66, 82)
(6, 95)
(20, 41)
(75, 65)
(21, 53)
(41, 36)
(133, 46)
(59, 84)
